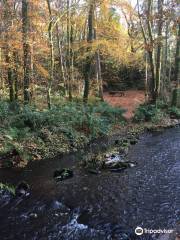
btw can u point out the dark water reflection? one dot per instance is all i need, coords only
(105, 206)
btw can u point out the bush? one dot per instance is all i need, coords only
(147, 113)
(8, 188)
(174, 112)
(46, 133)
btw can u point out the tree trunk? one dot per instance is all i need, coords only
(15, 74)
(159, 49)
(26, 49)
(10, 76)
(176, 91)
(177, 59)
(7, 50)
(99, 76)
(69, 50)
(72, 56)
(150, 51)
(98, 71)
(1, 76)
(87, 67)
(59, 45)
(51, 78)
(148, 41)
(146, 77)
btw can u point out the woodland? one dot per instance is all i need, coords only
(89, 119)
(58, 59)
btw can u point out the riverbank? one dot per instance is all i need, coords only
(115, 147)
(29, 134)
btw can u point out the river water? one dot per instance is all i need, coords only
(105, 206)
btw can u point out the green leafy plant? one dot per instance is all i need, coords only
(148, 112)
(35, 133)
(174, 112)
(8, 188)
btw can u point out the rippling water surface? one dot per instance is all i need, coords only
(105, 206)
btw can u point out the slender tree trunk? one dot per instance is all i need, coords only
(51, 45)
(69, 50)
(10, 76)
(176, 91)
(170, 68)
(61, 58)
(33, 95)
(26, 49)
(99, 76)
(148, 41)
(150, 50)
(15, 74)
(98, 70)
(177, 59)
(7, 50)
(87, 67)
(146, 77)
(164, 82)
(1, 76)
(72, 55)
(159, 48)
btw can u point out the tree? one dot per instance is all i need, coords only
(26, 49)
(159, 48)
(8, 52)
(176, 92)
(90, 38)
(51, 45)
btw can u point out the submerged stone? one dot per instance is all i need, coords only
(33, 215)
(94, 171)
(60, 175)
(22, 189)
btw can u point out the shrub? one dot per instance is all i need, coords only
(65, 127)
(148, 113)
(174, 112)
(8, 188)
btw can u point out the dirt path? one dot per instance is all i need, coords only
(130, 101)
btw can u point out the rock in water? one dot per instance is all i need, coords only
(94, 171)
(60, 175)
(22, 189)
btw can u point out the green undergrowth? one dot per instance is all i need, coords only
(7, 187)
(27, 133)
(155, 113)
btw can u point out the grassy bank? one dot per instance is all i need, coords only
(156, 113)
(27, 133)
(147, 118)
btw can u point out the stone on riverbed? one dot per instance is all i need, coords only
(115, 163)
(22, 189)
(93, 171)
(60, 175)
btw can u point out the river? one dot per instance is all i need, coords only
(108, 206)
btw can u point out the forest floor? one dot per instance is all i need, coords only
(130, 101)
